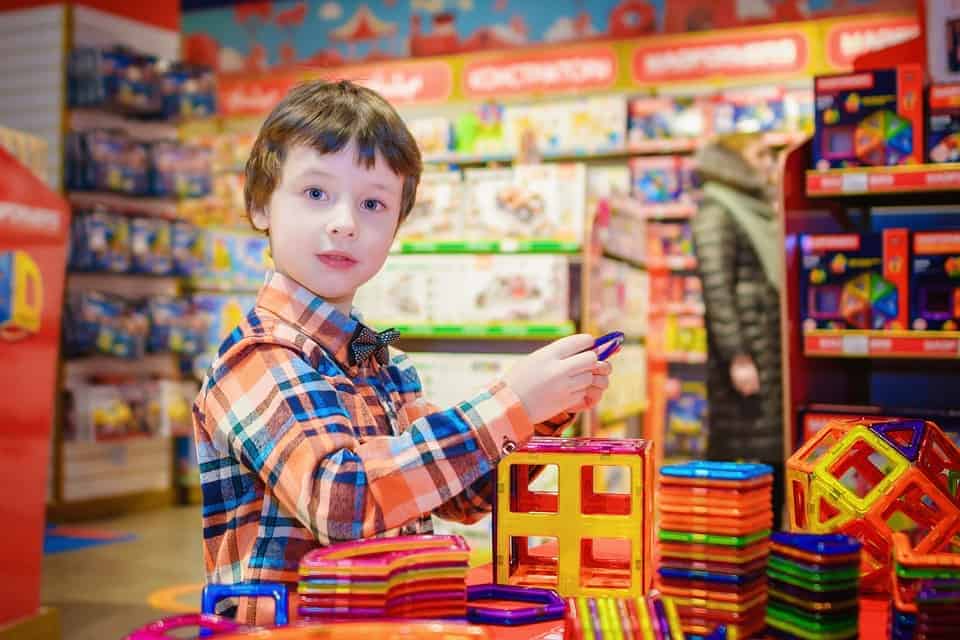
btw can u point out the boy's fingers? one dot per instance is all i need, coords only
(580, 363)
(603, 368)
(581, 381)
(568, 346)
(600, 382)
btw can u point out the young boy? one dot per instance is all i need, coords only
(308, 432)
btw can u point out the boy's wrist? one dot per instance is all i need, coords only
(507, 422)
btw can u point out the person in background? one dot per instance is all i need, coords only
(737, 243)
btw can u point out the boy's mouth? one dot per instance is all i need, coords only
(336, 260)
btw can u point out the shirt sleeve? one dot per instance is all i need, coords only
(476, 500)
(285, 422)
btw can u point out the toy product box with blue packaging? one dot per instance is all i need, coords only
(935, 281)
(943, 123)
(651, 119)
(186, 241)
(869, 118)
(151, 247)
(662, 180)
(855, 281)
(100, 241)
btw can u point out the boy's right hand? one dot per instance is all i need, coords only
(553, 379)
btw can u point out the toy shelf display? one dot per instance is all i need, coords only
(871, 315)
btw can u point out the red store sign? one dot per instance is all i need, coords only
(703, 57)
(847, 40)
(568, 70)
(245, 96)
(410, 83)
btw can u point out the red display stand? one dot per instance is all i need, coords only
(34, 222)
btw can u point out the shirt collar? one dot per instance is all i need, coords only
(310, 314)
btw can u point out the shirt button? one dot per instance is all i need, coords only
(509, 446)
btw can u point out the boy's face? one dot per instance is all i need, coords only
(331, 220)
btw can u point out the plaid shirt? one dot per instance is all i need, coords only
(298, 449)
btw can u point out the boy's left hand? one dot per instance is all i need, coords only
(601, 380)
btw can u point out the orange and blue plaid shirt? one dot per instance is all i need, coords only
(298, 449)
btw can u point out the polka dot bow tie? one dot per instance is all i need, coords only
(366, 342)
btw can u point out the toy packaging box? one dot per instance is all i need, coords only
(651, 119)
(174, 327)
(943, 40)
(869, 118)
(667, 240)
(187, 247)
(401, 292)
(515, 288)
(481, 130)
(628, 384)
(935, 281)
(663, 179)
(943, 123)
(151, 246)
(433, 135)
(855, 281)
(434, 289)
(527, 202)
(685, 419)
(618, 299)
(762, 109)
(437, 213)
(450, 378)
(597, 124)
(217, 314)
(95, 323)
(100, 241)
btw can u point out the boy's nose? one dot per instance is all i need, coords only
(342, 222)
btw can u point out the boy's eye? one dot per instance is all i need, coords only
(315, 194)
(373, 205)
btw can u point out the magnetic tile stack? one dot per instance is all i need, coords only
(650, 617)
(401, 577)
(926, 591)
(714, 538)
(813, 586)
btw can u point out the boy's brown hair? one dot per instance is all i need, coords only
(327, 116)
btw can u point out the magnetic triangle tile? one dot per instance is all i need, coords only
(905, 436)
(828, 511)
(887, 305)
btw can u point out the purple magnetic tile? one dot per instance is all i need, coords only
(912, 451)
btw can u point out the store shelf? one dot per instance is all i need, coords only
(673, 263)
(622, 413)
(126, 285)
(668, 211)
(681, 358)
(935, 345)
(142, 205)
(919, 178)
(645, 147)
(678, 309)
(485, 246)
(636, 263)
(492, 331)
(161, 365)
(223, 286)
(141, 129)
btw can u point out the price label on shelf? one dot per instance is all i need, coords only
(856, 345)
(854, 183)
(509, 245)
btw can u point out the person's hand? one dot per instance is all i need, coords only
(557, 377)
(744, 375)
(601, 380)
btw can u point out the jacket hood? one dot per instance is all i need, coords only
(716, 163)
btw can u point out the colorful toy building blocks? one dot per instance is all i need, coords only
(874, 478)
(401, 577)
(601, 542)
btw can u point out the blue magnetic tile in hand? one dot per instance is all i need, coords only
(831, 544)
(709, 470)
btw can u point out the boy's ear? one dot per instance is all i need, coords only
(260, 218)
